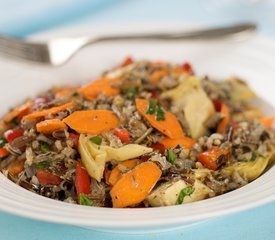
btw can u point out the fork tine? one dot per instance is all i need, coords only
(37, 52)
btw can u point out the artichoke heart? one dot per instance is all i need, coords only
(167, 193)
(249, 170)
(190, 98)
(95, 156)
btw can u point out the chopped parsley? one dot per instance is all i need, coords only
(44, 147)
(152, 107)
(3, 141)
(84, 200)
(183, 193)
(96, 140)
(171, 156)
(130, 92)
(42, 165)
(253, 156)
(160, 114)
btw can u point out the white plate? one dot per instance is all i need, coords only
(252, 60)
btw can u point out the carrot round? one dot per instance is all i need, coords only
(116, 173)
(172, 143)
(92, 121)
(169, 127)
(49, 126)
(45, 112)
(267, 121)
(226, 118)
(18, 111)
(103, 85)
(134, 186)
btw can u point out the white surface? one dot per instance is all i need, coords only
(252, 60)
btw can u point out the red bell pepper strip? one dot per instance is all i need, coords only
(12, 134)
(47, 178)
(123, 135)
(82, 180)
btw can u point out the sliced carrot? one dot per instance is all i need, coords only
(177, 70)
(172, 143)
(267, 121)
(18, 112)
(134, 186)
(49, 126)
(45, 112)
(116, 173)
(92, 121)
(157, 75)
(226, 118)
(16, 167)
(169, 127)
(65, 92)
(103, 85)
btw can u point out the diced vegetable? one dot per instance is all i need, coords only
(157, 75)
(134, 186)
(123, 135)
(190, 98)
(74, 138)
(96, 140)
(185, 142)
(3, 153)
(152, 107)
(92, 121)
(12, 134)
(169, 127)
(187, 68)
(47, 178)
(82, 181)
(49, 126)
(65, 92)
(210, 157)
(116, 173)
(18, 112)
(16, 167)
(160, 115)
(127, 61)
(84, 200)
(171, 156)
(158, 147)
(103, 85)
(45, 112)
(267, 121)
(226, 118)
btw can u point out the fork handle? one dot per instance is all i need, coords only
(212, 33)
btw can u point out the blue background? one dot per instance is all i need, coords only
(24, 17)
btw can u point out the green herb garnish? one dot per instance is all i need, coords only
(171, 156)
(96, 139)
(183, 193)
(160, 114)
(44, 147)
(84, 200)
(3, 142)
(253, 156)
(42, 165)
(152, 107)
(130, 92)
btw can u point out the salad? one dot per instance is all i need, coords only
(144, 134)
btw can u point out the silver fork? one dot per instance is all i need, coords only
(58, 51)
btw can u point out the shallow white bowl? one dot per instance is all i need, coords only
(253, 60)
